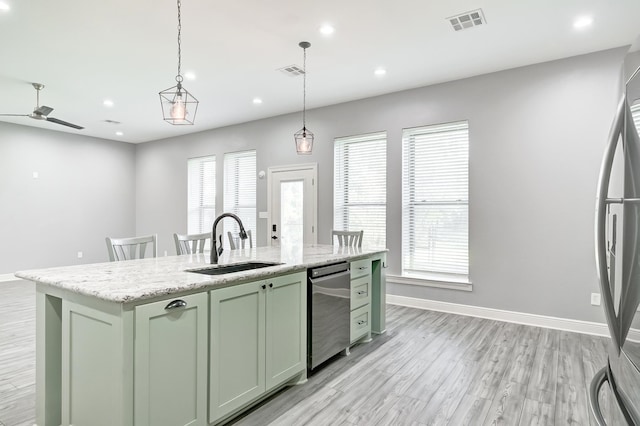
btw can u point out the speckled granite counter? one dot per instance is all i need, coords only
(139, 280)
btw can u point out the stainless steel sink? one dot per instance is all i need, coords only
(228, 269)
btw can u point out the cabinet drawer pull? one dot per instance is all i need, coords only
(361, 322)
(362, 267)
(362, 292)
(178, 303)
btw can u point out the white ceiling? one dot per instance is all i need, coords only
(125, 50)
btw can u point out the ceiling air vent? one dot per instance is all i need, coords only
(291, 70)
(111, 122)
(467, 20)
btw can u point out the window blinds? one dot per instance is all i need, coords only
(360, 186)
(435, 195)
(201, 196)
(240, 191)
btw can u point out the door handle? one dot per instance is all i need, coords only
(601, 217)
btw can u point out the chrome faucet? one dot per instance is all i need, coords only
(216, 252)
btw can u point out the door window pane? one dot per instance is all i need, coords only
(292, 213)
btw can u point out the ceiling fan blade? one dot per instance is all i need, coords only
(43, 110)
(14, 115)
(64, 123)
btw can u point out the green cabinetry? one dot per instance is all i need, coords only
(360, 300)
(171, 362)
(257, 340)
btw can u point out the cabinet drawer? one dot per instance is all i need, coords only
(360, 291)
(360, 268)
(360, 322)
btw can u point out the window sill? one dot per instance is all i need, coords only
(437, 282)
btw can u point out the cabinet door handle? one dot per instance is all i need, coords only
(178, 303)
(263, 286)
(270, 285)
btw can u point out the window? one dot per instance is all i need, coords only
(435, 197)
(201, 182)
(240, 190)
(360, 186)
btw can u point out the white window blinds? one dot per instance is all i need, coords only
(201, 196)
(240, 191)
(360, 186)
(435, 196)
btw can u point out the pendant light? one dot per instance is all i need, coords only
(303, 137)
(179, 107)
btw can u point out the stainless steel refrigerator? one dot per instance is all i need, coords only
(615, 390)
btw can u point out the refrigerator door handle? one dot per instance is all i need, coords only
(594, 391)
(601, 217)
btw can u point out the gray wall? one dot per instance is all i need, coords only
(85, 191)
(537, 134)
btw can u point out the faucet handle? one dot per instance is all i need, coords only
(220, 249)
(243, 234)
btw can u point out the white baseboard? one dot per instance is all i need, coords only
(566, 324)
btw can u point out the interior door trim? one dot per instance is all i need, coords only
(313, 167)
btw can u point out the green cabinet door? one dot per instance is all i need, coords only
(170, 362)
(237, 347)
(286, 334)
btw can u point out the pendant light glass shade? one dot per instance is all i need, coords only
(304, 141)
(179, 107)
(304, 137)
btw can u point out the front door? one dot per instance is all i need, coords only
(293, 205)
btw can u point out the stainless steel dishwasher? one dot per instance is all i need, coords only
(328, 310)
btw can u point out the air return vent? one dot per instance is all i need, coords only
(291, 70)
(467, 20)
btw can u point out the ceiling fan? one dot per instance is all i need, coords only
(42, 112)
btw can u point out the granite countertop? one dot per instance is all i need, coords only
(135, 280)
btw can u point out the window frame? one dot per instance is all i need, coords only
(200, 208)
(342, 202)
(457, 273)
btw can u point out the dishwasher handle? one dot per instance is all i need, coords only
(339, 280)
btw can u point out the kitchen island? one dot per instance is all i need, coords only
(147, 342)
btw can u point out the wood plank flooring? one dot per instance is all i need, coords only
(430, 368)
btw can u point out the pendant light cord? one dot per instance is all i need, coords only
(179, 76)
(304, 88)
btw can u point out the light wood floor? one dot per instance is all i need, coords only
(430, 368)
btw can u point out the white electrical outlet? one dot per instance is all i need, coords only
(595, 299)
(80, 255)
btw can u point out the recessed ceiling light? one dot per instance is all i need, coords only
(380, 72)
(582, 22)
(4, 7)
(257, 101)
(107, 103)
(190, 75)
(119, 133)
(327, 29)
